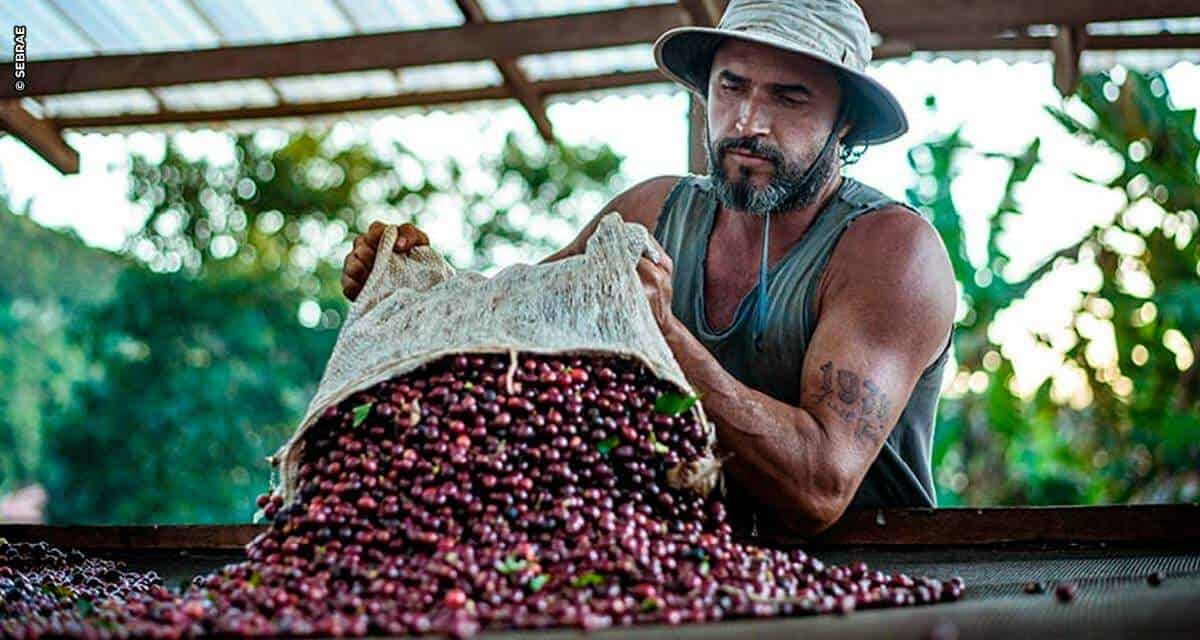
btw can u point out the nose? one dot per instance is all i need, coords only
(753, 118)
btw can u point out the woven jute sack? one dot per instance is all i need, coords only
(415, 308)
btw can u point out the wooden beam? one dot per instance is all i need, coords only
(993, 526)
(514, 78)
(894, 17)
(1007, 525)
(1067, 45)
(543, 88)
(704, 13)
(40, 135)
(510, 39)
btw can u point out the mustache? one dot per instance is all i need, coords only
(753, 146)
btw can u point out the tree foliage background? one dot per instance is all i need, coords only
(1136, 436)
(150, 385)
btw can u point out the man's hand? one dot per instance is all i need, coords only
(656, 270)
(361, 259)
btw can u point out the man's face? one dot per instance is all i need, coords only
(769, 114)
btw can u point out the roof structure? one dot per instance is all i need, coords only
(99, 64)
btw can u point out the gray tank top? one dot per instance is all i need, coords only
(901, 475)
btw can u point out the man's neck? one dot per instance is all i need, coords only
(787, 227)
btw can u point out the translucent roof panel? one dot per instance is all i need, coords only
(1098, 60)
(1089, 61)
(337, 86)
(48, 34)
(1146, 27)
(566, 64)
(1144, 61)
(99, 103)
(385, 82)
(241, 22)
(448, 77)
(373, 16)
(234, 94)
(129, 26)
(516, 9)
(77, 28)
(664, 88)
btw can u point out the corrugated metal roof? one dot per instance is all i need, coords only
(49, 34)
(1146, 27)
(99, 102)
(72, 28)
(456, 75)
(518, 9)
(234, 94)
(567, 64)
(1089, 61)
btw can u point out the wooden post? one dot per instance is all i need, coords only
(697, 152)
(703, 13)
(514, 78)
(40, 135)
(1068, 46)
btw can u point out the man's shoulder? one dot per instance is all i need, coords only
(890, 227)
(892, 273)
(894, 248)
(643, 202)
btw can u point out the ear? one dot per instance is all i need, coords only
(844, 131)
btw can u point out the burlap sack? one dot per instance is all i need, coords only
(415, 308)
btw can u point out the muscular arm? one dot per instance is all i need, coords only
(641, 203)
(885, 312)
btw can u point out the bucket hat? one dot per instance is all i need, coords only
(832, 31)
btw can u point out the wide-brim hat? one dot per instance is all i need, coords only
(832, 31)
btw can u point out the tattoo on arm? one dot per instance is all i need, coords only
(857, 400)
(826, 383)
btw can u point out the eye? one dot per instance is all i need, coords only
(791, 101)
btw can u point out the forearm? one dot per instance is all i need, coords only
(780, 452)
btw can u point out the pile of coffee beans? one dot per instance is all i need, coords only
(51, 590)
(487, 492)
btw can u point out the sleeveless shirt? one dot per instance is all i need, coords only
(901, 474)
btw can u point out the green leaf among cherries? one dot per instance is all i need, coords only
(361, 412)
(673, 404)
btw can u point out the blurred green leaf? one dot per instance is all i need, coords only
(673, 404)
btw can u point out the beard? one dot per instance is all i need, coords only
(793, 184)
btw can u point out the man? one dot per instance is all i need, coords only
(813, 314)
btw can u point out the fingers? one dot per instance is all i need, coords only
(374, 233)
(650, 274)
(657, 260)
(363, 251)
(408, 236)
(350, 287)
(361, 259)
(354, 274)
(356, 268)
(658, 255)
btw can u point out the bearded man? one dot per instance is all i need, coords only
(813, 314)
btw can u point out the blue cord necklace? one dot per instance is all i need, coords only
(760, 314)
